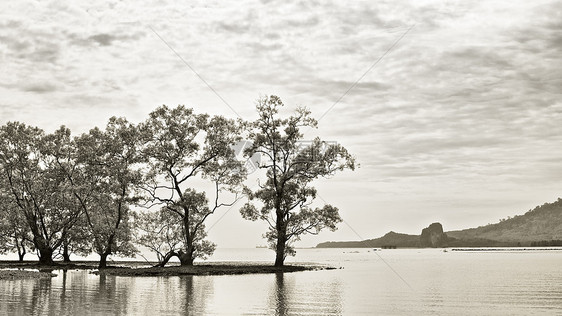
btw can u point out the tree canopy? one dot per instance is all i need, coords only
(286, 196)
(35, 185)
(181, 148)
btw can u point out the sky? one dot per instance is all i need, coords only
(451, 108)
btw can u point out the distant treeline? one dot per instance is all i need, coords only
(547, 243)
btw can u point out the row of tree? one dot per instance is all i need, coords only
(111, 189)
(547, 243)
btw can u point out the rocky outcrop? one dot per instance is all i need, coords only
(433, 237)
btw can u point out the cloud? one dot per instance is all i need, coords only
(24, 42)
(239, 26)
(106, 39)
(40, 87)
(470, 96)
(103, 39)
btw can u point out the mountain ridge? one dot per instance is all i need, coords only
(541, 226)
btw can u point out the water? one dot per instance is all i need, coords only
(389, 282)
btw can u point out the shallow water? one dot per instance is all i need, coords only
(388, 282)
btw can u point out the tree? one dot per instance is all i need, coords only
(161, 232)
(77, 240)
(101, 168)
(14, 232)
(182, 150)
(286, 196)
(37, 187)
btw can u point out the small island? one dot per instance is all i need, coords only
(153, 186)
(32, 269)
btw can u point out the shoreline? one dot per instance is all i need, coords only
(18, 270)
(16, 274)
(506, 249)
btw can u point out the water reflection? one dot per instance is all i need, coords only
(41, 298)
(63, 292)
(444, 284)
(280, 293)
(186, 295)
(70, 293)
(109, 290)
(318, 296)
(198, 290)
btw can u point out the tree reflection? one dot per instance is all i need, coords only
(298, 294)
(189, 302)
(63, 290)
(110, 296)
(198, 290)
(106, 289)
(280, 306)
(41, 302)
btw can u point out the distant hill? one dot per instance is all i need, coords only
(543, 223)
(390, 239)
(541, 226)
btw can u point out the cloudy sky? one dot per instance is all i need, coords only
(452, 108)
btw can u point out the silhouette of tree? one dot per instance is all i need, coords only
(180, 147)
(37, 187)
(286, 196)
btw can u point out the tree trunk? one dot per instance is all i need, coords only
(280, 247)
(167, 258)
(186, 258)
(107, 252)
(281, 243)
(103, 260)
(45, 250)
(46, 256)
(65, 254)
(21, 252)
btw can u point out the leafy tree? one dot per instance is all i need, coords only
(14, 232)
(286, 196)
(182, 149)
(37, 187)
(60, 146)
(77, 240)
(161, 232)
(101, 168)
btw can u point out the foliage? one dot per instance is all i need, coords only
(77, 240)
(286, 196)
(36, 185)
(104, 173)
(182, 147)
(162, 232)
(14, 232)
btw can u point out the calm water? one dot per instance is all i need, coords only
(389, 282)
